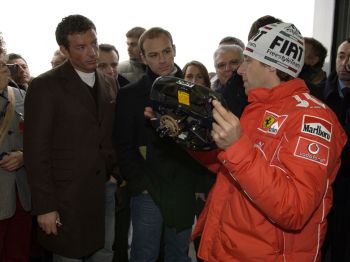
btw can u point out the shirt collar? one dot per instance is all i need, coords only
(285, 89)
(340, 87)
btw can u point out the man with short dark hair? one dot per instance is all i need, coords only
(117, 219)
(69, 114)
(109, 61)
(22, 75)
(315, 55)
(275, 165)
(160, 175)
(134, 68)
(337, 97)
(260, 22)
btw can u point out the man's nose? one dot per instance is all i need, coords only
(93, 51)
(346, 63)
(162, 57)
(241, 69)
(21, 68)
(228, 67)
(109, 69)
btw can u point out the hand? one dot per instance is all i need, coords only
(226, 128)
(48, 222)
(148, 113)
(12, 161)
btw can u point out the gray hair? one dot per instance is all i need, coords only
(228, 48)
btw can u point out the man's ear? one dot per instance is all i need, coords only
(143, 58)
(174, 47)
(64, 50)
(314, 60)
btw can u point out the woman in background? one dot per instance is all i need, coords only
(197, 73)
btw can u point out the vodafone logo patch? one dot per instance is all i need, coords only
(312, 150)
(317, 126)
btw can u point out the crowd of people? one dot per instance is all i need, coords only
(85, 176)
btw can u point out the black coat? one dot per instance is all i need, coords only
(234, 94)
(67, 142)
(150, 163)
(338, 233)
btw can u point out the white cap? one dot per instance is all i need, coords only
(279, 45)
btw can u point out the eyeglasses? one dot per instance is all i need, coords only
(347, 67)
(12, 67)
(230, 64)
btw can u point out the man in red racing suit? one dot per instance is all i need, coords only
(275, 166)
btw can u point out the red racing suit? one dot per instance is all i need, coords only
(273, 188)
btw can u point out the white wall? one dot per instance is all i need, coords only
(197, 26)
(323, 26)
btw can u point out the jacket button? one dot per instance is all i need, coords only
(100, 146)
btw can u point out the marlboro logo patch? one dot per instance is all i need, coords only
(272, 122)
(317, 126)
(312, 150)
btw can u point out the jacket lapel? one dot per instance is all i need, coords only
(77, 88)
(105, 94)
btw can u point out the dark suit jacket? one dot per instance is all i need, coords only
(67, 141)
(234, 94)
(166, 171)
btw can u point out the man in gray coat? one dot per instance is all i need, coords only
(68, 144)
(134, 68)
(15, 219)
